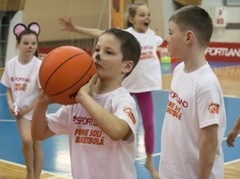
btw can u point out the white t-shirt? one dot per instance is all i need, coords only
(23, 81)
(195, 102)
(93, 153)
(146, 76)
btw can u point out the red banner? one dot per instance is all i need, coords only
(221, 51)
(216, 51)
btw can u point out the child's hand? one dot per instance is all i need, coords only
(91, 86)
(231, 137)
(14, 110)
(88, 88)
(67, 24)
(43, 98)
(21, 112)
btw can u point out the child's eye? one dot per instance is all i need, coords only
(96, 50)
(109, 52)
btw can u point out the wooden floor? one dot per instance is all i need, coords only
(230, 81)
(13, 171)
(232, 170)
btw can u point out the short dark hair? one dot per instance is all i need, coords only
(130, 47)
(196, 19)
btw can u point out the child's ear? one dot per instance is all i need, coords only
(127, 66)
(189, 37)
(130, 19)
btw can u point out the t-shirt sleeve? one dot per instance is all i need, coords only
(209, 106)
(126, 110)
(58, 122)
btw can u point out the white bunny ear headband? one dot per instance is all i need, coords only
(19, 28)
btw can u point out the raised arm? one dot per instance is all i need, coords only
(69, 26)
(40, 130)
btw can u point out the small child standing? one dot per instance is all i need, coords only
(146, 77)
(102, 125)
(21, 80)
(195, 119)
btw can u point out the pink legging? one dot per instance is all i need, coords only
(145, 103)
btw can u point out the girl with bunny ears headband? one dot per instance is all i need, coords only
(21, 29)
(22, 94)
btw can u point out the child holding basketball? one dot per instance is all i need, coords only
(195, 119)
(146, 77)
(102, 124)
(21, 80)
(233, 134)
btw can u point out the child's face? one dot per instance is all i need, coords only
(141, 20)
(107, 57)
(28, 44)
(175, 40)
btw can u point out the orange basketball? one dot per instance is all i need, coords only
(64, 71)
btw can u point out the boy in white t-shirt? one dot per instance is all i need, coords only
(146, 76)
(102, 124)
(195, 118)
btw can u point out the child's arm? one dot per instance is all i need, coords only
(208, 147)
(10, 101)
(114, 127)
(40, 130)
(69, 26)
(233, 134)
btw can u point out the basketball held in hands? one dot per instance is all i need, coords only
(64, 71)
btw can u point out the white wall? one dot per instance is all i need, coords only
(11, 44)
(88, 13)
(161, 10)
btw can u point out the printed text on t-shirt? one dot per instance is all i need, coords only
(174, 106)
(147, 52)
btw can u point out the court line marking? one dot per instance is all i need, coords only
(43, 171)
(232, 161)
(7, 120)
(159, 154)
(144, 157)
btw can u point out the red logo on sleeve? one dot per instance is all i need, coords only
(129, 112)
(213, 108)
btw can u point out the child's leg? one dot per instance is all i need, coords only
(24, 128)
(38, 158)
(145, 103)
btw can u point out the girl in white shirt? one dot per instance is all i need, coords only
(21, 80)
